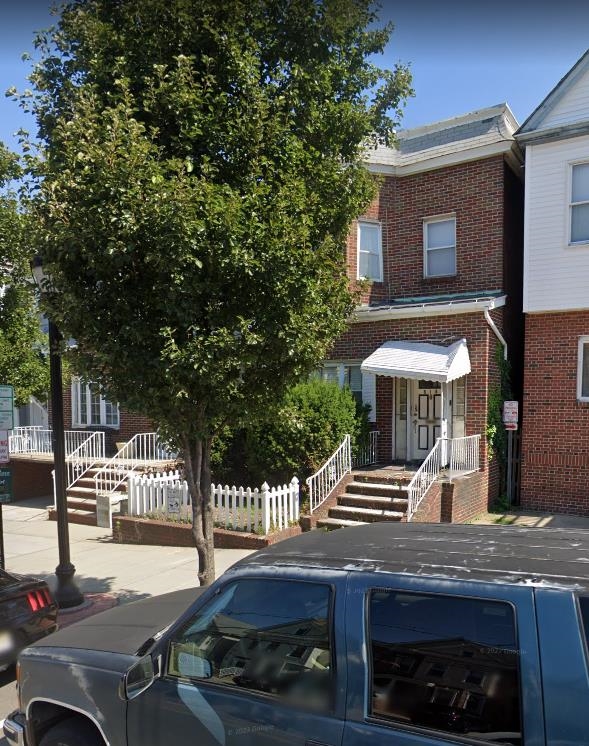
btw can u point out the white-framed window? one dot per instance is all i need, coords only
(344, 374)
(90, 408)
(369, 251)
(439, 246)
(579, 205)
(583, 369)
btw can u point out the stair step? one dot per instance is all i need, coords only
(366, 515)
(374, 501)
(76, 516)
(395, 478)
(80, 491)
(376, 489)
(88, 506)
(332, 523)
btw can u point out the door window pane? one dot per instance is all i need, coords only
(268, 636)
(580, 191)
(445, 663)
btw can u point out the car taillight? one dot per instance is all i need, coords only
(38, 600)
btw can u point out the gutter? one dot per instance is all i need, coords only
(364, 314)
(498, 334)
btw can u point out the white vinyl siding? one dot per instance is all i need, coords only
(369, 251)
(572, 107)
(439, 242)
(369, 394)
(583, 370)
(555, 271)
(89, 408)
(579, 203)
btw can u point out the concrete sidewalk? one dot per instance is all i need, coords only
(102, 566)
(532, 519)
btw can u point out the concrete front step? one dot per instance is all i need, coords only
(76, 516)
(88, 506)
(376, 489)
(364, 515)
(333, 523)
(394, 478)
(82, 492)
(374, 501)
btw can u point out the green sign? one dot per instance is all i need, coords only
(5, 485)
(6, 407)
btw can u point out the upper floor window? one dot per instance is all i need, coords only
(369, 251)
(583, 370)
(439, 240)
(90, 408)
(580, 203)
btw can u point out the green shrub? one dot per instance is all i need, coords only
(303, 432)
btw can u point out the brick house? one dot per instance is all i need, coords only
(437, 258)
(555, 442)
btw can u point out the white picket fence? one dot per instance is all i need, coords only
(235, 508)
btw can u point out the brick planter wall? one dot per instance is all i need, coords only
(453, 502)
(31, 479)
(131, 530)
(555, 426)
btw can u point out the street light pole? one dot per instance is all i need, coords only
(67, 593)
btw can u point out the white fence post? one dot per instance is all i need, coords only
(265, 498)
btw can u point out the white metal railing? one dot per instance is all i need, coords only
(367, 453)
(85, 457)
(235, 508)
(461, 455)
(321, 484)
(143, 449)
(35, 439)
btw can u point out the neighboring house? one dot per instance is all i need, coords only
(555, 445)
(437, 258)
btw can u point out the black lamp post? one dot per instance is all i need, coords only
(67, 593)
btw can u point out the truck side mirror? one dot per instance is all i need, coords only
(139, 677)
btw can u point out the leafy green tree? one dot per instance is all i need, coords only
(22, 361)
(201, 163)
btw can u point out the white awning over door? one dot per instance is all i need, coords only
(419, 360)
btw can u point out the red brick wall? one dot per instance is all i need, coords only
(555, 426)
(31, 479)
(464, 498)
(475, 192)
(430, 508)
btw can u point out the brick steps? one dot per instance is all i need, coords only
(375, 502)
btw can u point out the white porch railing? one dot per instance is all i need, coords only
(323, 482)
(236, 508)
(460, 454)
(86, 456)
(35, 439)
(368, 453)
(143, 449)
(463, 455)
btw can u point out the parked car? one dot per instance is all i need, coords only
(403, 635)
(27, 613)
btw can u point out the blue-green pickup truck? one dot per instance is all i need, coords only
(381, 635)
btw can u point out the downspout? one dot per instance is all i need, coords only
(498, 334)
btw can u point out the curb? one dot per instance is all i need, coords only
(94, 603)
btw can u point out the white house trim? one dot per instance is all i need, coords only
(584, 340)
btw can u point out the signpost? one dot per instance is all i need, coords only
(511, 422)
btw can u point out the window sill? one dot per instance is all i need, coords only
(430, 278)
(577, 244)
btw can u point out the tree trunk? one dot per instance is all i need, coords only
(198, 476)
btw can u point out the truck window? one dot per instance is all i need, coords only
(445, 663)
(584, 606)
(267, 636)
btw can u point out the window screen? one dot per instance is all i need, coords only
(445, 663)
(369, 251)
(440, 248)
(580, 203)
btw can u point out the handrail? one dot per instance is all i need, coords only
(142, 448)
(326, 479)
(85, 457)
(460, 454)
(367, 454)
(39, 440)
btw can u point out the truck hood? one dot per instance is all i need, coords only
(123, 629)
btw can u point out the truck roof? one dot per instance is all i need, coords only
(497, 554)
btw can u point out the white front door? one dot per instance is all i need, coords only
(426, 415)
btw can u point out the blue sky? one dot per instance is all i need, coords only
(464, 54)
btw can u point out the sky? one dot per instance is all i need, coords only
(464, 54)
